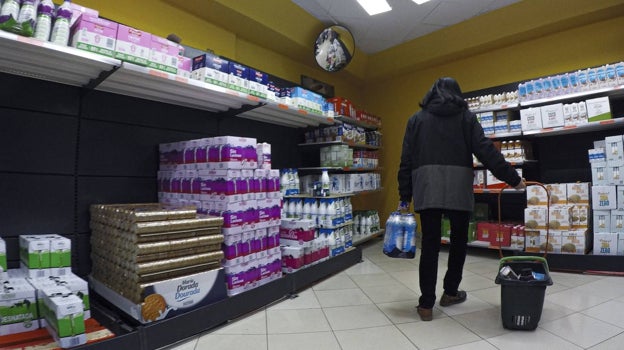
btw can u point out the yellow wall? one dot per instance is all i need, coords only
(507, 45)
(397, 99)
(162, 18)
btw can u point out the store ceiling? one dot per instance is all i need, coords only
(406, 20)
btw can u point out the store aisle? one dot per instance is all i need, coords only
(372, 306)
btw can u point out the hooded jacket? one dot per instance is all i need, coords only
(436, 161)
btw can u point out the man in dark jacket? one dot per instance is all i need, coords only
(436, 170)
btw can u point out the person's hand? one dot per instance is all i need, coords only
(521, 186)
(403, 206)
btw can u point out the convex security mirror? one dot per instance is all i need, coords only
(334, 48)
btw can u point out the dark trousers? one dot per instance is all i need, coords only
(431, 227)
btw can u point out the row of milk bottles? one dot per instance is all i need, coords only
(42, 13)
(289, 181)
(320, 210)
(366, 223)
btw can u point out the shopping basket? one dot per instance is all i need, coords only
(523, 281)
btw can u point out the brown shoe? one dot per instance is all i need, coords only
(447, 300)
(425, 314)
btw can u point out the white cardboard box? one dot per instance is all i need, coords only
(578, 193)
(614, 148)
(599, 173)
(531, 119)
(602, 221)
(598, 109)
(552, 115)
(617, 220)
(605, 243)
(615, 172)
(604, 197)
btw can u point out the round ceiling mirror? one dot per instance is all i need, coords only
(334, 48)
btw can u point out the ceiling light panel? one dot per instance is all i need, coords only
(374, 7)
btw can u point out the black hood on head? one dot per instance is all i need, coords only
(444, 98)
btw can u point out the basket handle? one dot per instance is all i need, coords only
(500, 248)
(525, 258)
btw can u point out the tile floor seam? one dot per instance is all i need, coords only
(328, 323)
(564, 339)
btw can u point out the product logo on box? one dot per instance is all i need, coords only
(186, 289)
(603, 199)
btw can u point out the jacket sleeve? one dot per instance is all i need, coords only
(490, 156)
(404, 176)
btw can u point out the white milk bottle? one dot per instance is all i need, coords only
(60, 30)
(45, 13)
(27, 12)
(10, 8)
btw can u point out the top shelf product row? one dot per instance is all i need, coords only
(42, 60)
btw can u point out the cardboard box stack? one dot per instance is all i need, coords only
(156, 261)
(565, 219)
(45, 255)
(18, 306)
(231, 178)
(64, 316)
(607, 165)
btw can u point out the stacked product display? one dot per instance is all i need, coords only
(566, 219)
(607, 165)
(589, 79)
(230, 177)
(155, 261)
(43, 292)
(366, 223)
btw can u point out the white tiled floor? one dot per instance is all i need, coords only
(371, 306)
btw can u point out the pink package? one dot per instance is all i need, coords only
(94, 35)
(184, 66)
(163, 55)
(292, 258)
(78, 11)
(133, 45)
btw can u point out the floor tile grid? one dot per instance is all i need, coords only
(580, 281)
(574, 305)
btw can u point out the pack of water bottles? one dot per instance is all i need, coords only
(400, 236)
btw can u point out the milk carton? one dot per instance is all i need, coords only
(598, 109)
(617, 220)
(18, 307)
(604, 197)
(614, 148)
(211, 69)
(602, 221)
(185, 65)
(599, 173)
(605, 243)
(535, 218)
(558, 194)
(64, 316)
(133, 45)
(258, 83)
(615, 172)
(552, 115)
(95, 35)
(238, 78)
(60, 255)
(620, 196)
(35, 251)
(163, 55)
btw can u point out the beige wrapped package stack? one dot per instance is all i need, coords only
(135, 246)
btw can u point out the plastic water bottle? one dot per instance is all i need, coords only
(60, 30)
(10, 8)
(27, 12)
(409, 243)
(392, 227)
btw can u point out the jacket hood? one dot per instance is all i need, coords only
(439, 107)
